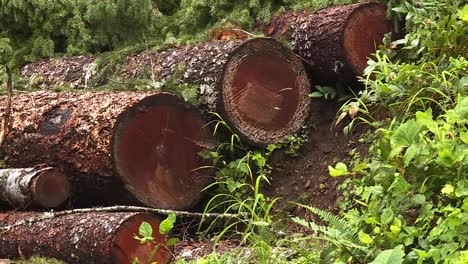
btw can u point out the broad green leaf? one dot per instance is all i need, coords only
(365, 238)
(172, 241)
(406, 134)
(419, 199)
(360, 168)
(462, 108)
(464, 137)
(340, 170)
(166, 226)
(315, 95)
(395, 229)
(448, 189)
(463, 13)
(390, 256)
(410, 153)
(422, 254)
(387, 216)
(145, 230)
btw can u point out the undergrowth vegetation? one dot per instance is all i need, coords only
(406, 201)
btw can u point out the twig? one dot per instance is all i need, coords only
(5, 124)
(118, 208)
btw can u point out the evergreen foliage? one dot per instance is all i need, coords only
(41, 28)
(44, 28)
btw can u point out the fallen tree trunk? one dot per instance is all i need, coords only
(258, 85)
(42, 187)
(151, 141)
(82, 238)
(335, 41)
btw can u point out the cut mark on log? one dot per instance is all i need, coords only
(156, 151)
(259, 91)
(363, 33)
(54, 120)
(51, 188)
(265, 91)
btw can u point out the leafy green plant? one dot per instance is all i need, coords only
(408, 197)
(145, 235)
(326, 92)
(240, 175)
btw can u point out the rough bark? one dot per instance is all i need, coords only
(82, 238)
(95, 136)
(335, 41)
(75, 71)
(267, 108)
(41, 187)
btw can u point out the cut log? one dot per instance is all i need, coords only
(335, 41)
(42, 187)
(258, 85)
(151, 141)
(82, 238)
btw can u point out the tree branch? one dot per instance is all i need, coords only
(5, 124)
(118, 208)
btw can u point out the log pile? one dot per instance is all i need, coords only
(151, 141)
(143, 147)
(258, 85)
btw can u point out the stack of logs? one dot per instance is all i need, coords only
(98, 148)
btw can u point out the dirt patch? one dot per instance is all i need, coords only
(305, 179)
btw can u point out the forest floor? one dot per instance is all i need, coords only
(303, 179)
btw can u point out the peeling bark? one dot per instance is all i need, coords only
(82, 238)
(264, 100)
(151, 141)
(42, 187)
(335, 41)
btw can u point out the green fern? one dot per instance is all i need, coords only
(338, 232)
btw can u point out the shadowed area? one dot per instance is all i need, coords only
(126, 248)
(54, 120)
(364, 33)
(50, 189)
(264, 91)
(155, 148)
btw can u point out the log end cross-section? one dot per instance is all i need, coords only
(51, 188)
(156, 145)
(42, 187)
(265, 91)
(363, 33)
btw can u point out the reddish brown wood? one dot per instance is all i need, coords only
(149, 140)
(259, 85)
(43, 187)
(82, 238)
(335, 41)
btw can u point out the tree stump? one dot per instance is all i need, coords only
(259, 86)
(82, 238)
(41, 187)
(151, 141)
(335, 41)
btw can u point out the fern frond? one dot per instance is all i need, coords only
(339, 224)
